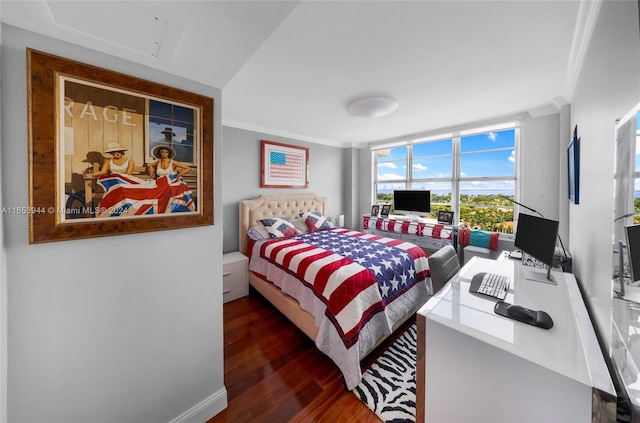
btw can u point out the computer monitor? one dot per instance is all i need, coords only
(536, 236)
(412, 202)
(632, 233)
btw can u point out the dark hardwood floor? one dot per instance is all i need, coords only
(274, 373)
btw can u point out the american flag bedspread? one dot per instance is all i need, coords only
(126, 195)
(356, 285)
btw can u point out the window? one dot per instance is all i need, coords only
(391, 173)
(472, 173)
(636, 174)
(172, 125)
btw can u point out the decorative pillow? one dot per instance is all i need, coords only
(258, 233)
(300, 225)
(278, 227)
(315, 221)
(478, 238)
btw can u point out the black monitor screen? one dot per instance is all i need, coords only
(633, 248)
(412, 201)
(536, 236)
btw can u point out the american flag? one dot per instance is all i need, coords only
(285, 166)
(356, 275)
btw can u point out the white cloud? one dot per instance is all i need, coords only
(512, 157)
(441, 175)
(390, 165)
(493, 136)
(505, 187)
(389, 177)
(418, 166)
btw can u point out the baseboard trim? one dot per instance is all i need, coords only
(204, 410)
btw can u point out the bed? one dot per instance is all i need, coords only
(349, 328)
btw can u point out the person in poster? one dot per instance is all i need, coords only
(166, 165)
(118, 163)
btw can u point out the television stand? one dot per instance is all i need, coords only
(426, 234)
(414, 219)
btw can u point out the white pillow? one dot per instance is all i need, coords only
(258, 233)
(278, 227)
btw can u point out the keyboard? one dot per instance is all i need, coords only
(490, 284)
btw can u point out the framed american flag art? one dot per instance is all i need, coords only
(284, 166)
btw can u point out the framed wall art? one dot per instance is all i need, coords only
(284, 166)
(384, 212)
(573, 168)
(445, 216)
(113, 154)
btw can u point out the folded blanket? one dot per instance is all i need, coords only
(478, 238)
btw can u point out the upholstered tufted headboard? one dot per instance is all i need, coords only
(266, 206)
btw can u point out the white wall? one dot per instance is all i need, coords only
(608, 87)
(351, 169)
(117, 329)
(540, 178)
(365, 178)
(3, 294)
(241, 168)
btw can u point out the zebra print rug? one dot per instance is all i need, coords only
(388, 387)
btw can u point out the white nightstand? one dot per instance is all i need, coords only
(235, 276)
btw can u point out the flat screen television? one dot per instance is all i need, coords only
(412, 202)
(632, 234)
(536, 236)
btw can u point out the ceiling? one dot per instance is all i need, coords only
(290, 68)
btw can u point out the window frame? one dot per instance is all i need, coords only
(456, 179)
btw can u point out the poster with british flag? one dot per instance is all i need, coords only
(96, 169)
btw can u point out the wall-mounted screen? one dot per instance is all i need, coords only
(633, 249)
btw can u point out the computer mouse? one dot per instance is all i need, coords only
(519, 312)
(543, 320)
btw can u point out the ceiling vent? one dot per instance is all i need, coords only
(117, 22)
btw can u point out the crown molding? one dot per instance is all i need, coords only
(588, 11)
(280, 133)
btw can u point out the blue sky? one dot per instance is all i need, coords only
(487, 154)
(637, 181)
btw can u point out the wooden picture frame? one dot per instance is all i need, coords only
(573, 168)
(79, 117)
(284, 166)
(386, 209)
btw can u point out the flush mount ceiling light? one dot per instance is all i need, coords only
(375, 106)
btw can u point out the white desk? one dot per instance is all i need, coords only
(625, 348)
(474, 365)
